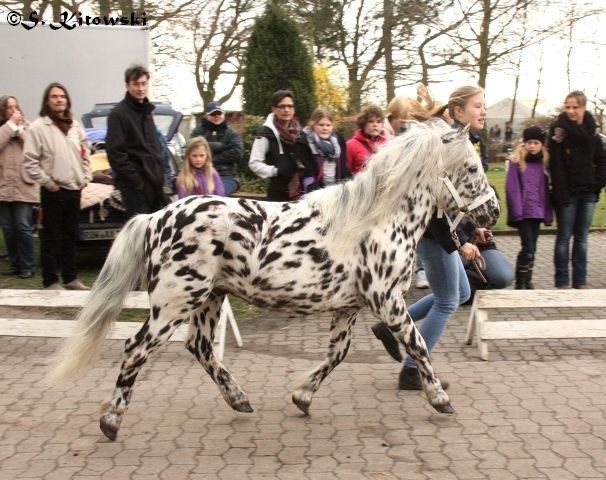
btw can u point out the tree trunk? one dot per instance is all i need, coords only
(518, 64)
(390, 75)
(536, 97)
(355, 92)
(569, 53)
(56, 6)
(484, 44)
(104, 7)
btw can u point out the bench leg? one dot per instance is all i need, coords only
(228, 312)
(471, 325)
(227, 315)
(481, 317)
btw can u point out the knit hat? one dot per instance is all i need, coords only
(534, 133)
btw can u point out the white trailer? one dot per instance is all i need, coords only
(89, 60)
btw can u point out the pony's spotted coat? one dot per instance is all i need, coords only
(339, 249)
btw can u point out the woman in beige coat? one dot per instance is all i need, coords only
(18, 192)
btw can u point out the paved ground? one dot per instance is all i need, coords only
(537, 410)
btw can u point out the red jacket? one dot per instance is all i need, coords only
(360, 147)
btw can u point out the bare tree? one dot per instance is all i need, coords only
(424, 47)
(359, 47)
(220, 33)
(539, 80)
(210, 43)
(489, 36)
(518, 64)
(388, 27)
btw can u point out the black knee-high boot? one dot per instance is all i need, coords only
(521, 276)
(529, 285)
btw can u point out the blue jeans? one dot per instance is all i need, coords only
(449, 286)
(418, 264)
(17, 220)
(574, 218)
(499, 272)
(230, 185)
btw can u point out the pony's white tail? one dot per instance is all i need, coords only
(122, 270)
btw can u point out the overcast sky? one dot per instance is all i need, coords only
(588, 73)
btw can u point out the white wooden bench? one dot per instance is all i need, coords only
(486, 301)
(75, 299)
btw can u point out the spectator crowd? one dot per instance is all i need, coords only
(46, 163)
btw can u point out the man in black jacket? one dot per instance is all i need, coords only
(133, 147)
(225, 145)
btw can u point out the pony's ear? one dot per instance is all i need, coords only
(457, 134)
(450, 136)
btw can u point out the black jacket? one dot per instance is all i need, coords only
(577, 160)
(478, 142)
(285, 162)
(225, 145)
(309, 165)
(133, 148)
(439, 230)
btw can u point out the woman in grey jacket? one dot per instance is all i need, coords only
(18, 192)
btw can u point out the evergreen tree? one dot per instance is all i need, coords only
(277, 59)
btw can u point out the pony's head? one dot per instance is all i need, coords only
(463, 188)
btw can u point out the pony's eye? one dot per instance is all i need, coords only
(473, 169)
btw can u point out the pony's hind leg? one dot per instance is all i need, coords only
(137, 350)
(340, 339)
(403, 328)
(200, 343)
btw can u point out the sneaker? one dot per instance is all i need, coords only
(410, 380)
(54, 286)
(390, 343)
(76, 285)
(421, 280)
(26, 275)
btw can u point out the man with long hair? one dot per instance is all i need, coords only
(56, 155)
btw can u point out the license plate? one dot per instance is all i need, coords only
(101, 234)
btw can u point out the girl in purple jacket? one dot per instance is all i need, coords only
(528, 203)
(198, 176)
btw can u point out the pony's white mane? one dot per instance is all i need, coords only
(407, 162)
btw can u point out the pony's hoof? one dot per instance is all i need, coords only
(302, 401)
(238, 400)
(243, 407)
(445, 408)
(108, 429)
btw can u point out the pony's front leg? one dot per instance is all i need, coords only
(395, 314)
(340, 339)
(200, 343)
(137, 350)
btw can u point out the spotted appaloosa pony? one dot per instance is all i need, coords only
(339, 249)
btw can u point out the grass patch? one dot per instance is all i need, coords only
(496, 176)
